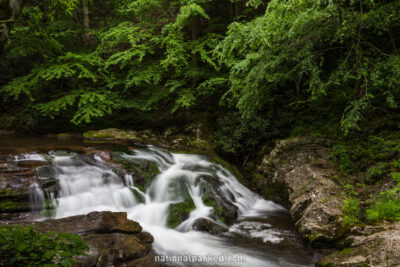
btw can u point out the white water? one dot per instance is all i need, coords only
(94, 187)
(36, 197)
(29, 157)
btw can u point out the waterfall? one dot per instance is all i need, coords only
(36, 197)
(86, 187)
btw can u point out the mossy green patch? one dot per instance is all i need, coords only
(13, 206)
(178, 212)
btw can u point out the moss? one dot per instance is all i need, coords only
(178, 212)
(95, 135)
(231, 168)
(139, 197)
(218, 209)
(137, 226)
(13, 206)
(257, 177)
(145, 171)
(6, 192)
(49, 209)
(117, 134)
(346, 251)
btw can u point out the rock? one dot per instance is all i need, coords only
(372, 247)
(113, 134)
(206, 225)
(112, 238)
(142, 171)
(303, 169)
(95, 222)
(223, 208)
(179, 212)
(17, 185)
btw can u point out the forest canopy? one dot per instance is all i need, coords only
(271, 66)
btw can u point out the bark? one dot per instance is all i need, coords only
(86, 21)
(9, 12)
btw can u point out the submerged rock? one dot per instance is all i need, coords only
(112, 238)
(302, 167)
(206, 225)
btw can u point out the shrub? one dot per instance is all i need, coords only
(240, 135)
(387, 207)
(23, 246)
(351, 210)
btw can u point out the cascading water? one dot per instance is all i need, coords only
(87, 187)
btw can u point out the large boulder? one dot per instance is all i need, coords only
(303, 169)
(112, 238)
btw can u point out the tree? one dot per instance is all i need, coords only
(9, 13)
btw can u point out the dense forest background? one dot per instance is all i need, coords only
(254, 70)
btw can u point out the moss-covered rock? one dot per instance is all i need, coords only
(223, 209)
(179, 212)
(113, 134)
(12, 206)
(142, 171)
(112, 238)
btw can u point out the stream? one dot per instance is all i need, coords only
(262, 234)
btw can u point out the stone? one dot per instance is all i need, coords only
(375, 248)
(113, 239)
(113, 134)
(303, 168)
(206, 225)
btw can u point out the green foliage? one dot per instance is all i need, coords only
(237, 135)
(351, 210)
(340, 153)
(328, 64)
(23, 246)
(351, 207)
(312, 50)
(387, 206)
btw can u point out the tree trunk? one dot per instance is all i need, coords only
(86, 21)
(9, 12)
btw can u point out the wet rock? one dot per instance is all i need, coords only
(302, 167)
(206, 225)
(17, 183)
(142, 171)
(112, 238)
(371, 247)
(179, 212)
(223, 208)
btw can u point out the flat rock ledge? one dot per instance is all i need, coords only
(113, 239)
